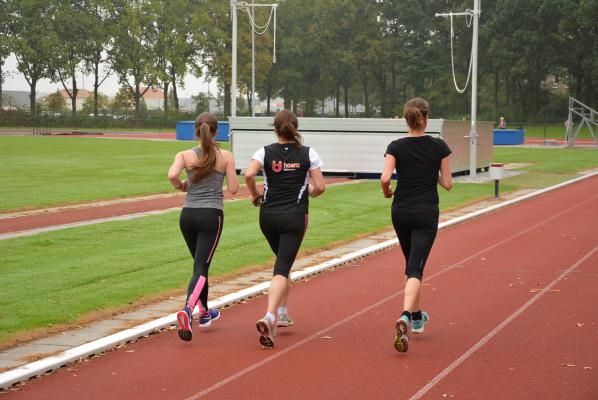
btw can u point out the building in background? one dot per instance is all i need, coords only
(82, 94)
(154, 98)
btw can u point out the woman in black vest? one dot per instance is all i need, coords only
(291, 174)
(421, 162)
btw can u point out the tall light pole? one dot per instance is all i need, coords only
(473, 136)
(252, 64)
(233, 84)
(474, 91)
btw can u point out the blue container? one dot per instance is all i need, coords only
(508, 136)
(223, 130)
(185, 130)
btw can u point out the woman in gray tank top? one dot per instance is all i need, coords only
(202, 215)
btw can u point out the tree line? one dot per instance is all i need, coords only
(375, 53)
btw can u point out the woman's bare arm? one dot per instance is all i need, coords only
(385, 179)
(231, 173)
(174, 172)
(445, 179)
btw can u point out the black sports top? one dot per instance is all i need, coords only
(286, 177)
(417, 164)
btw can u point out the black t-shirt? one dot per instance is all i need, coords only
(417, 164)
(286, 177)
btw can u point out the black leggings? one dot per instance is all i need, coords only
(284, 233)
(416, 229)
(201, 228)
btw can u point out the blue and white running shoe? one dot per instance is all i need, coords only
(417, 326)
(183, 318)
(206, 319)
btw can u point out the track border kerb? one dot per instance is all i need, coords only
(52, 363)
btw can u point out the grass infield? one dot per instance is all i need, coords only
(48, 171)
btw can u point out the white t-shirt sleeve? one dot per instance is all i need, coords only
(259, 156)
(315, 161)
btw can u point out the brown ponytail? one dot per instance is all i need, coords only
(206, 127)
(416, 112)
(286, 124)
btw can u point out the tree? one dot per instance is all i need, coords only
(99, 27)
(92, 104)
(4, 41)
(55, 102)
(175, 50)
(122, 101)
(202, 102)
(335, 22)
(33, 42)
(133, 53)
(71, 28)
(577, 41)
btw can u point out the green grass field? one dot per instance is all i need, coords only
(47, 171)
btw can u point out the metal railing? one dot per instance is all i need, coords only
(589, 118)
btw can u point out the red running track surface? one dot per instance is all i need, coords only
(511, 295)
(94, 212)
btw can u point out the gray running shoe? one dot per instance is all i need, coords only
(284, 321)
(402, 339)
(266, 329)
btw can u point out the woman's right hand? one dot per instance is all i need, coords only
(257, 200)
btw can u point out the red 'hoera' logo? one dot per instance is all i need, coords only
(276, 166)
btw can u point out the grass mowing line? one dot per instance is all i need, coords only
(48, 171)
(111, 265)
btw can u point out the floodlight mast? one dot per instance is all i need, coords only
(233, 83)
(473, 136)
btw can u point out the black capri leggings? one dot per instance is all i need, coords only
(201, 228)
(284, 233)
(416, 229)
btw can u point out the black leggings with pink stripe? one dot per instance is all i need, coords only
(201, 228)
(284, 233)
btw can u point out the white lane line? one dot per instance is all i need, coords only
(30, 370)
(126, 200)
(457, 264)
(35, 231)
(126, 217)
(500, 327)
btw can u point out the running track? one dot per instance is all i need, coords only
(512, 297)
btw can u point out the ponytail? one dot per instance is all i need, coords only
(286, 124)
(206, 127)
(415, 112)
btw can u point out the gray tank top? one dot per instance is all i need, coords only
(207, 193)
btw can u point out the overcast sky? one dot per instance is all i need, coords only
(16, 81)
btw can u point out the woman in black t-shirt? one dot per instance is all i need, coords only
(417, 159)
(291, 174)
